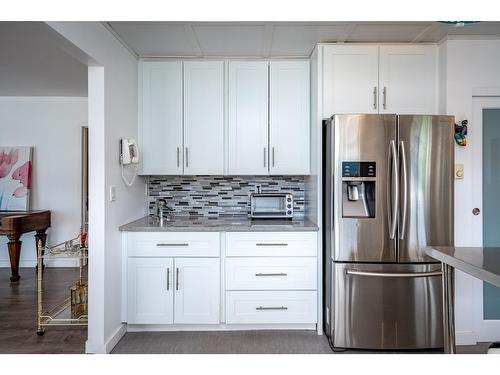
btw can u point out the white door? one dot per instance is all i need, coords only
(484, 174)
(204, 117)
(289, 118)
(197, 291)
(160, 117)
(407, 79)
(350, 79)
(150, 291)
(248, 118)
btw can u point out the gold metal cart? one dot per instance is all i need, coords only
(73, 310)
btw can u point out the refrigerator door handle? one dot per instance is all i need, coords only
(393, 274)
(405, 191)
(393, 194)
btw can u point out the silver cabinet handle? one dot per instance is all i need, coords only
(187, 158)
(384, 92)
(177, 279)
(272, 149)
(178, 158)
(394, 197)
(171, 244)
(393, 274)
(265, 157)
(375, 97)
(402, 154)
(271, 244)
(168, 278)
(270, 274)
(271, 308)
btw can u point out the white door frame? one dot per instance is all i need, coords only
(486, 330)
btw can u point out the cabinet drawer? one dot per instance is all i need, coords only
(271, 273)
(173, 244)
(244, 307)
(271, 244)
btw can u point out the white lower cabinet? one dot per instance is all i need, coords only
(266, 307)
(175, 278)
(280, 273)
(197, 289)
(271, 278)
(173, 290)
(150, 291)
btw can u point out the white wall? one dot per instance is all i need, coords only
(468, 67)
(112, 115)
(53, 126)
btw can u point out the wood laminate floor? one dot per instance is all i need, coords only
(18, 313)
(18, 328)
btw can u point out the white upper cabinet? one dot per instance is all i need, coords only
(350, 79)
(407, 79)
(204, 117)
(289, 117)
(248, 118)
(160, 117)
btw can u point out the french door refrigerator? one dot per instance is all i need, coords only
(388, 192)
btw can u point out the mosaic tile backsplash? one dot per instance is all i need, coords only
(220, 196)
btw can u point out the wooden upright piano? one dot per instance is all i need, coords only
(15, 223)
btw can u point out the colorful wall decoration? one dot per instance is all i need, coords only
(15, 178)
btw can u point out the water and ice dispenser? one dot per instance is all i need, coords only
(358, 189)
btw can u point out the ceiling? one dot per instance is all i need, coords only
(276, 39)
(34, 62)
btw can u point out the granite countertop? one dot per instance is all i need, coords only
(226, 224)
(480, 262)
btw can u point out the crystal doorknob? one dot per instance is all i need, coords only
(476, 211)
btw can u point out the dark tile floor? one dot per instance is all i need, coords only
(18, 328)
(241, 342)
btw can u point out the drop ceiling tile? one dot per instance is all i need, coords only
(299, 40)
(481, 28)
(155, 38)
(231, 39)
(386, 32)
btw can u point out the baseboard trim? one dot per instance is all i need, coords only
(466, 338)
(107, 347)
(216, 327)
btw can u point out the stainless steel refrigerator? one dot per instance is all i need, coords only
(388, 192)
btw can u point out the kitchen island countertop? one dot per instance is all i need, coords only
(226, 224)
(480, 262)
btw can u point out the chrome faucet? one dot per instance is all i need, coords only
(161, 207)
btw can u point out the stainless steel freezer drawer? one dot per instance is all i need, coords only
(387, 306)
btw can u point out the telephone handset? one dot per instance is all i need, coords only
(129, 154)
(128, 151)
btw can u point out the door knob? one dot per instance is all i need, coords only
(476, 211)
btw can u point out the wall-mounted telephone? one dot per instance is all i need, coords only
(129, 154)
(128, 151)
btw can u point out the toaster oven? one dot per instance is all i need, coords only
(271, 205)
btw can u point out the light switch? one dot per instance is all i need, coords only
(112, 193)
(459, 171)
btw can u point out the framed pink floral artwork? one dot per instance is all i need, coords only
(15, 178)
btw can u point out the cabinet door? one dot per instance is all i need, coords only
(248, 118)
(408, 79)
(350, 79)
(197, 291)
(204, 117)
(160, 117)
(150, 291)
(289, 117)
